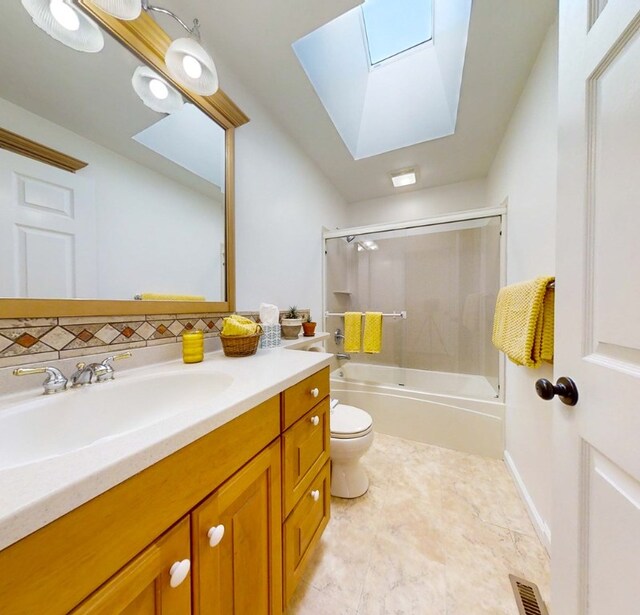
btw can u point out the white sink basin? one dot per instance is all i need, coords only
(48, 426)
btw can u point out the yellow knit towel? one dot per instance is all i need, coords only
(235, 325)
(372, 332)
(352, 331)
(548, 322)
(523, 322)
(169, 297)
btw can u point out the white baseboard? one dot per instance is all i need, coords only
(542, 529)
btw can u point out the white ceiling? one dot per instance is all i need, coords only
(254, 38)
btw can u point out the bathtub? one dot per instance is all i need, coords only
(458, 411)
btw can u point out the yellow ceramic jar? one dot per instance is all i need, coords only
(192, 346)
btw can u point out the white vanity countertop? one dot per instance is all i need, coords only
(33, 495)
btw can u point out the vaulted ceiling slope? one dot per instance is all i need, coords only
(255, 39)
(383, 101)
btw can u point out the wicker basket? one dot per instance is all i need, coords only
(241, 345)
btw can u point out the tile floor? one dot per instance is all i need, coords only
(437, 533)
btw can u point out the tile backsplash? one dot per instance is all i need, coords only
(29, 340)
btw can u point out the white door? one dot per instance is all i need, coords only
(595, 554)
(47, 231)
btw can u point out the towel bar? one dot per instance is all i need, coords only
(402, 314)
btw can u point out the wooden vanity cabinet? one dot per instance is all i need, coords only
(143, 587)
(237, 543)
(125, 541)
(306, 489)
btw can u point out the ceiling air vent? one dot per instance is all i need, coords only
(528, 597)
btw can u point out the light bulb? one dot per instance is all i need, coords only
(192, 67)
(64, 15)
(158, 89)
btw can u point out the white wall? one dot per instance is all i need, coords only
(282, 203)
(419, 204)
(524, 172)
(145, 221)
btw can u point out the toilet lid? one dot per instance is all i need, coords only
(349, 422)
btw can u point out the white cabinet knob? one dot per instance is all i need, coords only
(315, 494)
(179, 572)
(315, 420)
(215, 535)
(315, 392)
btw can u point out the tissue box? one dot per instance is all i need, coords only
(270, 336)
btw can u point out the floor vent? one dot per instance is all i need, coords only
(528, 597)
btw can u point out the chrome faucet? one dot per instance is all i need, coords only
(54, 383)
(342, 355)
(109, 374)
(338, 337)
(84, 374)
(103, 372)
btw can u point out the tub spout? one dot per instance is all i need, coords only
(342, 355)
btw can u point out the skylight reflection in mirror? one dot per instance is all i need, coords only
(395, 26)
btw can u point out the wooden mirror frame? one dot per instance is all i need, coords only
(147, 40)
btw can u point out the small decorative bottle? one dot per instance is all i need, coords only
(192, 346)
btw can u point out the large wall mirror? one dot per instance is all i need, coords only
(151, 213)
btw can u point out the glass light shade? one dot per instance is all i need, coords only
(147, 82)
(158, 89)
(184, 71)
(64, 15)
(87, 37)
(121, 9)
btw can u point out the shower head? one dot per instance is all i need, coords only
(350, 238)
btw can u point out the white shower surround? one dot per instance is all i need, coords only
(457, 411)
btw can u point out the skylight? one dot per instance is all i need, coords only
(395, 103)
(395, 26)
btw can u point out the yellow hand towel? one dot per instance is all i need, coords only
(352, 331)
(523, 322)
(548, 323)
(235, 325)
(169, 297)
(372, 332)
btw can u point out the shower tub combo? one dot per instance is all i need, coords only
(457, 411)
(436, 379)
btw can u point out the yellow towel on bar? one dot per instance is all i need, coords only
(523, 322)
(548, 324)
(235, 325)
(169, 297)
(352, 331)
(372, 332)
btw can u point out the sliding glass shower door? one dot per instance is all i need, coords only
(445, 276)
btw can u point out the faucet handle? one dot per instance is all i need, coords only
(54, 383)
(108, 373)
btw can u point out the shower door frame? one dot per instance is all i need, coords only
(461, 216)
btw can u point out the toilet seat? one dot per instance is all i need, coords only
(349, 422)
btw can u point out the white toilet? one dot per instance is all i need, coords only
(351, 437)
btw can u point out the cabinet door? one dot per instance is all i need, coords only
(237, 542)
(156, 582)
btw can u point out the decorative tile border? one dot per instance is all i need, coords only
(27, 340)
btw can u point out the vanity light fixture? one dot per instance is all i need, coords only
(126, 10)
(155, 92)
(187, 60)
(64, 22)
(406, 177)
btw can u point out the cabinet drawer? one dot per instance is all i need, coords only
(301, 397)
(305, 451)
(303, 529)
